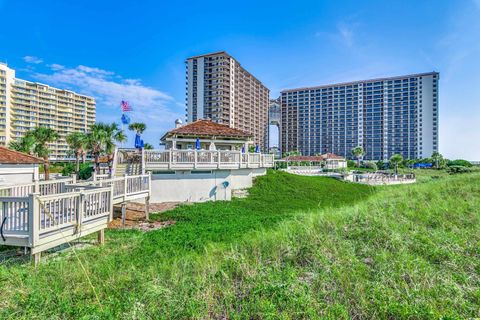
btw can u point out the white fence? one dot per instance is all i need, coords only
(124, 188)
(42, 187)
(205, 159)
(41, 222)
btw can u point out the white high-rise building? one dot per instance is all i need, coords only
(25, 105)
(385, 116)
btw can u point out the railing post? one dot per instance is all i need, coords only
(111, 200)
(248, 159)
(143, 161)
(33, 219)
(125, 186)
(195, 159)
(170, 158)
(81, 210)
(218, 159)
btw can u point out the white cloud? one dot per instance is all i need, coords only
(32, 59)
(154, 107)
(346, 34)
(56, 67)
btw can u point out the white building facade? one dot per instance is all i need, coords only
(397, 115)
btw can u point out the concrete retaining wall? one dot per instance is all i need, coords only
(200, 186)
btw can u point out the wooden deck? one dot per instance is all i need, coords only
(46, 214)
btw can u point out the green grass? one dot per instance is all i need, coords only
(298, 247)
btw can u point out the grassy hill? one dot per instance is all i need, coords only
(298, 247)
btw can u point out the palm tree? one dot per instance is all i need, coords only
(101, 140)
(42, 137)
(77, 141)
(358, 152)
(138, 127)
(437, 158)
(395, 160)
(147, 146)
(25, 144)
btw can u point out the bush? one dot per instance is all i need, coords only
(458, 169)
(68, 169)
(369, 165)
(351, 164)
(86, 171)
(459, 162)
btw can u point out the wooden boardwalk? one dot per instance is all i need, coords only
(46, 214)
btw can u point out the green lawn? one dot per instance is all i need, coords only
(298, 247)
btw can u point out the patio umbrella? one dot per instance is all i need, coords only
(141, 143)
(197, 144)
(257, 149)
(243, 149)
(138, 141)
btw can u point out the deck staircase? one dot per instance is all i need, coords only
(128, 162)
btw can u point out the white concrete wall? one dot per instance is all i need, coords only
(184, 186)
(17, 174)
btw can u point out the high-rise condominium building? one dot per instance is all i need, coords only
(385, 116)
(25, 105)
(220, 89)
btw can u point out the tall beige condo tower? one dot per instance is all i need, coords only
(25, 105)
(220, 89)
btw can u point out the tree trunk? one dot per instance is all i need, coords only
(84, 156)
(46, 168)
(77, 163)
(97, 163)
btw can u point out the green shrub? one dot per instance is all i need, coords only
(351, 164)
(458, 169)
(85, 171)
(369, 165)
(459, 162)
(68, 169)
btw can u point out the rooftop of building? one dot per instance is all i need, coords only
(8, 156)
(230, 56)
(362, 81)
(202, 128)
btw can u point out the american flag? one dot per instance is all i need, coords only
(125, 106)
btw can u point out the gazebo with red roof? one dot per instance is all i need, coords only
(212, 136)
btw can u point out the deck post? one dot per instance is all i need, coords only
(147, 208)
(124, 213)
(101, 237)
(35, 258)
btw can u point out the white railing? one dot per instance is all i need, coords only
(43, 187)
(205, 159)
(38, 220)
(124, 188)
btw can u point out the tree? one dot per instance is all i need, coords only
(438, 160)
(395, 160)
(138, 127)
(358, 152)
(42, 136)
(25, 144)
(101, 140)
(147, 146)
(77, 141)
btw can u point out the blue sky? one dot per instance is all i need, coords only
(135, 50)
